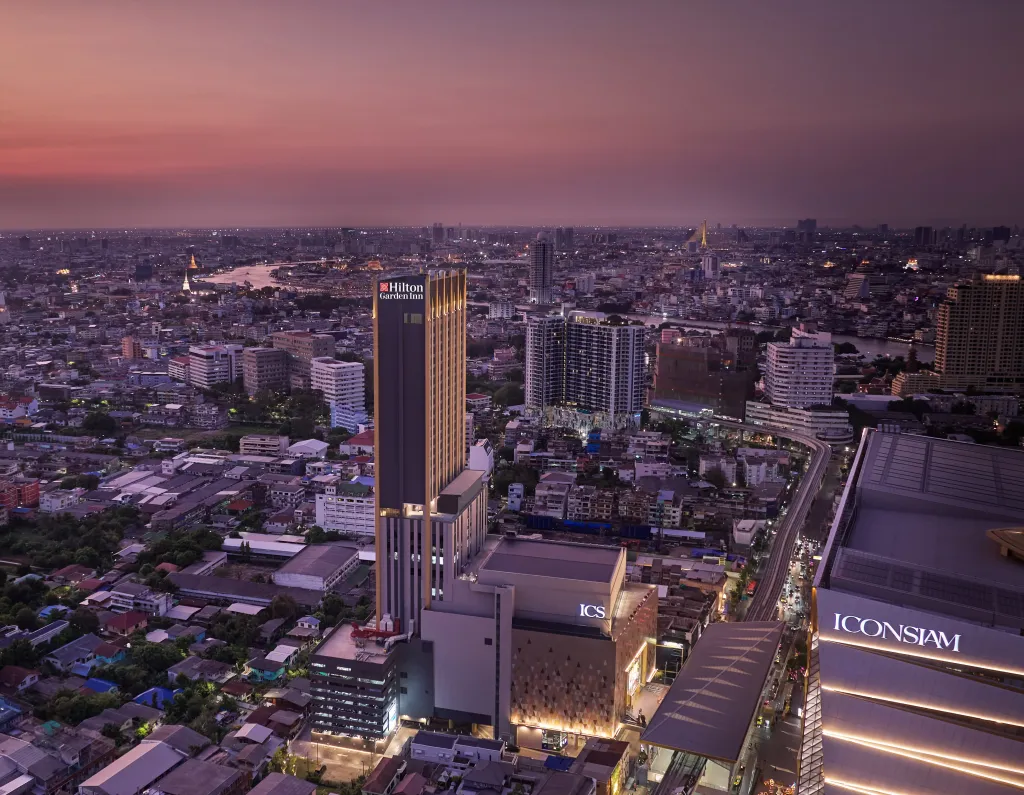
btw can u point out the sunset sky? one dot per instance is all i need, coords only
(217, 113)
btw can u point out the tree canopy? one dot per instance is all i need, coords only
(55, 540)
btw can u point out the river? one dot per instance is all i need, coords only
(257, 275)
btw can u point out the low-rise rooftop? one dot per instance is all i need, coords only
(344, 644)
(319, 560)
(554, 559)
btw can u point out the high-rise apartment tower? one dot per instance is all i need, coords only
(585, 363)
(542, 269)
(979, 337)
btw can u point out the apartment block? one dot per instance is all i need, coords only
(979, 339)
(343, 386)
(264, 369)
(214, 364)
(261, 444)
(301, 348)
(346, 507)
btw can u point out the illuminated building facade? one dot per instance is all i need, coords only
(586, 364)
(530, 640)
(431, 511)
(916, 666)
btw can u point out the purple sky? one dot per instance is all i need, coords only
(118, 114)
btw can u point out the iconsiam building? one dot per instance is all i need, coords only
(524, 640)
(916, 673)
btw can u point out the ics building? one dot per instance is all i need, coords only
(916, 665)
(529, 641)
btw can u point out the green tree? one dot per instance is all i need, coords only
(284, 606)
(510, 394)
(716, 477)
(154, 657)
(113, 731)
(100, 423)
(26, 618)
(20, 653)
(72, 708)
(333, 609)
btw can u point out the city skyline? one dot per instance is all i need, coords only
(256, 116)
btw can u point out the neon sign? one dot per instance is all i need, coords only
(915, 636)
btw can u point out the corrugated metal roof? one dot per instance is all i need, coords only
(134, 771)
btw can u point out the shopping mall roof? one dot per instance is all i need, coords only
(916, 527)
(710, 706)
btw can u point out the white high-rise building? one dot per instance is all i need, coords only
(343, 386)
(214, 364)
(542, 269)
(801, 372)
(545, 360)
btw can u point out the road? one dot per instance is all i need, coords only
(764, 605)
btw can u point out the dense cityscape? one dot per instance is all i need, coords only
(541, 399)
(640, 451)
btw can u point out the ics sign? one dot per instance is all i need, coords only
(399, 290)
(592, 611)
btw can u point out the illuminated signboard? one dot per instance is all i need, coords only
(592, 611)
(400, 290)
(904, 633)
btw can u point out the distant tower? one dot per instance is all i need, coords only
(699, 238)
(709, 263)
(5, 313)
(542, 269)
(186, 287)
(192, 264)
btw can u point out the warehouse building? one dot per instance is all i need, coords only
(318, 567)
(263, 546)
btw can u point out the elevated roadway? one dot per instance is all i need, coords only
(764, 605)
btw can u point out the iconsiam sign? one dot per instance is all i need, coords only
(872, 628)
